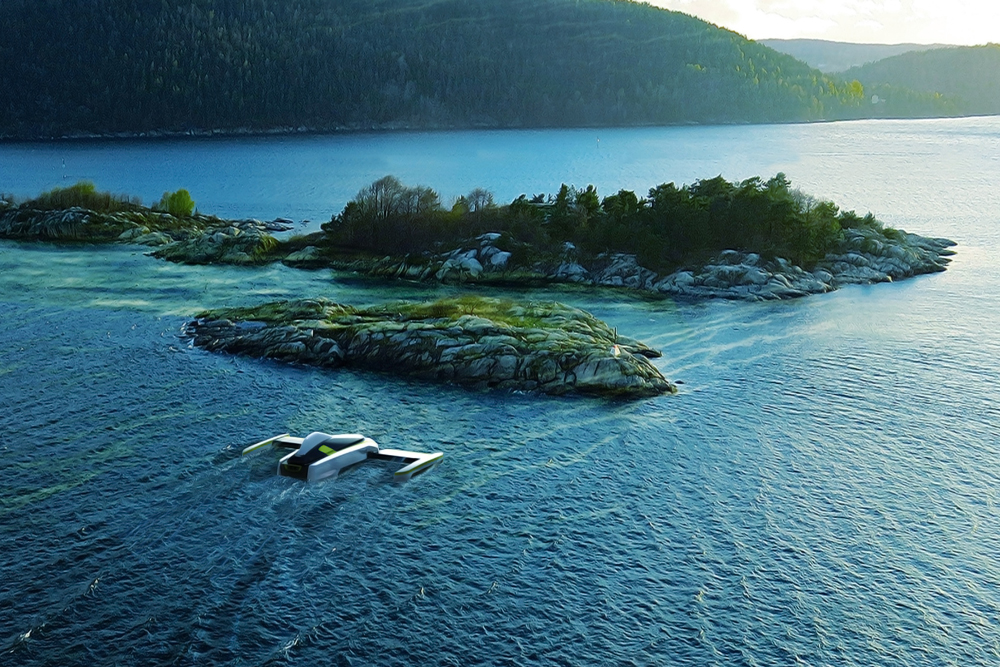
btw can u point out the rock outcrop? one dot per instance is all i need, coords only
(225, 242)
(546, 347)
(864, 256)
(196, 239)
(861, 259)
(84, 225)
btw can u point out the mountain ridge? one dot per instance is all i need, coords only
(832, 57)
(968, 74)
(111, 67)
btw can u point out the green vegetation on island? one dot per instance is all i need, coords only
(119, 66)
(753, 239)
(83, 194)
(178, 204)
(476, 341)
(81, 214)
(669, 227)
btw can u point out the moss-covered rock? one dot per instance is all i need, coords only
(190, 239)
(481, 342)
(77, 224)
(227, 242)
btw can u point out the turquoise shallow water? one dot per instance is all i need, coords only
(823, 490)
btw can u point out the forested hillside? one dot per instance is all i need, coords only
(828, 56)
(110, 66)
(969, 74)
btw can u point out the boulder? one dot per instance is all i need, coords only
(306, 258)
(153, 239)
(130, 235)
(571, 272)
(499, 259)
(460, 268)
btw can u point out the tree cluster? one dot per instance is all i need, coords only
(178, 204)
(667, 228)
(84, 194)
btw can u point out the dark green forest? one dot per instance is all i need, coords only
(970, 75)
(127, 66)
(669, 227)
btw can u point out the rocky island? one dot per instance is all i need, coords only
(478, 342)
(80, 214)
(754, 240)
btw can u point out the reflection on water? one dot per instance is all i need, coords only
(822, 490)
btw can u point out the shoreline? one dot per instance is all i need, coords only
(864, 256)
(393, 128)
(474, 341)
(729, 274)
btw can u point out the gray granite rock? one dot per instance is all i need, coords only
(242, 242)
(307, 258)
(546, 347)
(153, 239)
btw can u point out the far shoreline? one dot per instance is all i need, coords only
(399, 129)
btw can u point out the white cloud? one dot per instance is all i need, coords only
(885, 21)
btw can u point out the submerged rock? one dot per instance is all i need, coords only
(547, 347)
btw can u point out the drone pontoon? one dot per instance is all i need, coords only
(322, 456)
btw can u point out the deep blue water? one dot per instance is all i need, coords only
(824, 489)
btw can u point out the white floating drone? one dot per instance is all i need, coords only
(322, 456)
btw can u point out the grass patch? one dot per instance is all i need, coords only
(500, 311)
(278, 312)
(84, 195)
(532, 315)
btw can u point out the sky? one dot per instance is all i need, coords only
(864, 21)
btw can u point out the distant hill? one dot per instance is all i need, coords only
(830, 57)
(968, 74)
(73, 67)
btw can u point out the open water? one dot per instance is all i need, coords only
(823, 490)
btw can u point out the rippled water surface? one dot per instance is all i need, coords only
(823, 490)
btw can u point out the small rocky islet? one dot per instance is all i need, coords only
(189, 239)
(474, 341)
